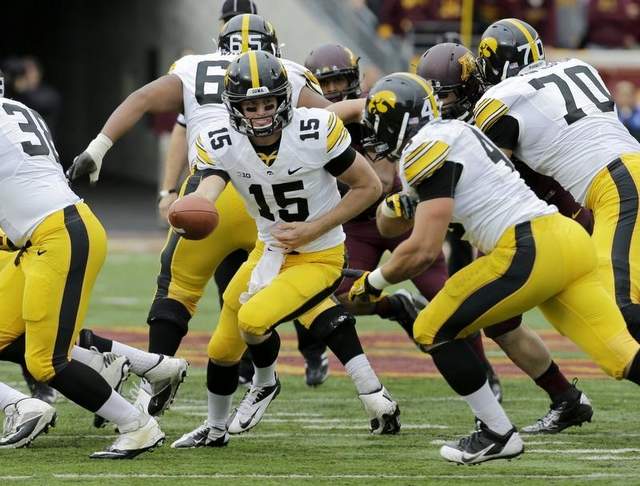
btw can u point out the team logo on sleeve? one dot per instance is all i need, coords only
(381, 102)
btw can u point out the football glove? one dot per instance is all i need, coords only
(399, 205)
(89, 162)
(363, 291)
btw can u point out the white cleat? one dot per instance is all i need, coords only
(205, 435)
(165, 378)
(483, 445)
(253, 406)
(139, 436)
(25, 420)
(383, 412)
(114, 369)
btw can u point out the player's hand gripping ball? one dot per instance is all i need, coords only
(193, 217)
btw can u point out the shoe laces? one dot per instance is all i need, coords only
(254, 394)
(551, 416)
(11, 418)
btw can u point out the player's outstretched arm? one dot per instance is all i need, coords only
(174, 164)
(160, 96)
(211, 187)
(349, 111)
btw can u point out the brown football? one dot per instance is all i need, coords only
(193, 217)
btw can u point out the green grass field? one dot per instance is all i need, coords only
(319, 436)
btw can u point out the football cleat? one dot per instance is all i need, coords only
(383, 412)
(139, 436)
(316, 369)
(252, 407)
(483, 445)
(25, 420)
(204, 436)
(561, 416)
(39, 390)
(114, 369)
(165, 378)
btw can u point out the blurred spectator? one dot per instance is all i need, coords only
(539, 13)
(24, 84)
(624, 95)
(397, 17)
(613, 23)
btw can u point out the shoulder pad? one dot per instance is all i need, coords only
(422, 160)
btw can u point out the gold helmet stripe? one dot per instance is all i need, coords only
(253, 68)
(245, 32)
(428, 89)
(527, 35)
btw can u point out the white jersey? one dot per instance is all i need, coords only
(202, 79)
(489, 197)
(32, 183)
(568, 126)
(295, 186)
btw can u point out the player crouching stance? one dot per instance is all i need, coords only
(533, 256)
(299, 256)
(44, 292)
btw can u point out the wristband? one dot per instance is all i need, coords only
(166, 192)
(98, 147)
(377, 280)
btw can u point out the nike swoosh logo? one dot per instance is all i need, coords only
(245, 424)
(41, 252)
(291, 172)
(573, 215)
(467, 458)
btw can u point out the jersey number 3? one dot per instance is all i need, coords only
(280, 195)
(33, 125)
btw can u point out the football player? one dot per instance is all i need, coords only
(193, 86)
(533, 256)
(231, 8)
(452, 71)
(44, 293)
(337, 69)
(298, 259)
(25, 418)
(560, 120)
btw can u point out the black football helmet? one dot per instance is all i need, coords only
(450, 68)
(333, 60)
(248, 32)
(397, 106)
(506, 47)
(257, 74)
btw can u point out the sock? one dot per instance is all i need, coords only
(633, 373)
(81, 354)
(82, 385)
(308, 344)
(475, 341)
(485, 406)
(165, 337)
(9, 395)
(264, 357)
(117, 410)
(219, 407)
(141, 361)
(556, 385)
(222, 382)
(344, 343)
(88, 339)
(264, 376)
(362, 375)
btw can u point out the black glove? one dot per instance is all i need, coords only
(83, 165)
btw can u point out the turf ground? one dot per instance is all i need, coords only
(319, 436)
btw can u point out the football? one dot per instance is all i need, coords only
(193, 217)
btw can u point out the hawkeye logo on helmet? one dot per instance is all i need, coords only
(488, 46)
(381, 102)
(257, 91)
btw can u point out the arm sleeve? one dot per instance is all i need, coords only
(505, 132)
(342, 162)
(442, 183)
(205, 160)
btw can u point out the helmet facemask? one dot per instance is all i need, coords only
(246, 125)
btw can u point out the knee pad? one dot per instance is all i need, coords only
(224, 350)
(166, 309)
(42, 370)
(330, 320)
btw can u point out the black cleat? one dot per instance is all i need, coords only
(562, 415)
(316, 369)
(483, 445)
(39, 390)
(203, 436)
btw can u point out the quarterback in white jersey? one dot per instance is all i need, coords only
(560, 119)
(44, 292)
(533, 256)
(284, 162)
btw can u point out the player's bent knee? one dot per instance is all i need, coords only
(253, 322)
(41, 368)
(225, 353)
(328, 321)
(165, 309)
